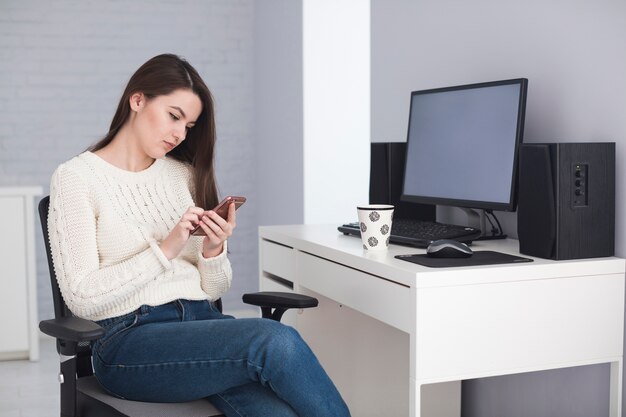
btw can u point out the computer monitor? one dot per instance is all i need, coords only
(462, 145)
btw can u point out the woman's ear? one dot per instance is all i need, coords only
(137, 101)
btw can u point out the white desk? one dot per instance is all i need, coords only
(397, 338)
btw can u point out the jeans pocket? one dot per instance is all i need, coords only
(116, 329)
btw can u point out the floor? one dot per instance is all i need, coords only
(30, 389)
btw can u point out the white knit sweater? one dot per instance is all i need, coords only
(105, 224)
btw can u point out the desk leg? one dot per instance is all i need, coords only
(615, 396)
(437, 400)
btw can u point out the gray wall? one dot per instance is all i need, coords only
(279, 112)
(64, 65)
(574, 55)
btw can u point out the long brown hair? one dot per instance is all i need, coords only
(162, 75)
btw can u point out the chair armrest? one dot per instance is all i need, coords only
(282, 300)
(72, 328)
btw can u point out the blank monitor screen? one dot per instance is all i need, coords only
(462, 145)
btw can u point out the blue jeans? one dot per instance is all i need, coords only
(186, 350)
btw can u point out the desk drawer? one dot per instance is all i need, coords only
(374, 296)
(278, 260)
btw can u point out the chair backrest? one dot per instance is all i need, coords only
(60, 308)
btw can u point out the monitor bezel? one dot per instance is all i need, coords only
(511, 205)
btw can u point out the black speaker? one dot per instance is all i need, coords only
(566, 207)
(386, 180)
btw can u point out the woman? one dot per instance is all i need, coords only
(119, 224)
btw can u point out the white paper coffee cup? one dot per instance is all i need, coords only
(375, 224)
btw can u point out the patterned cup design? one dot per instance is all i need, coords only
(375, 224)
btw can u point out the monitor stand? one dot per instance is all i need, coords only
(478, 220)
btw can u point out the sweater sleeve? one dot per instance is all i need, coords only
(88, 289)
(215, 273)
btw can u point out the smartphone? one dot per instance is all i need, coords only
(222, 210)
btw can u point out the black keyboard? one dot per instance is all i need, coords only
(420, 233)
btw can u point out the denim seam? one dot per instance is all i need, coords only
(263, 380)
(230, 404)
(182, 309)
(178, 363)
(114, 336)
(260, 370)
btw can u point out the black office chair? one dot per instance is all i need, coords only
(82, 395)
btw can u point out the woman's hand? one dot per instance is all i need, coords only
(217, 231)
(174, 243)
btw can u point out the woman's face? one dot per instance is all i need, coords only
(161, 123)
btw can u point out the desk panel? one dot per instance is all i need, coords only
(365, 358)
(384, 300)
(493, 329)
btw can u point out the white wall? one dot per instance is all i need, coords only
(64, 65)
(336, 88)
(574, 54)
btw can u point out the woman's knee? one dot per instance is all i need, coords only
(281, 338)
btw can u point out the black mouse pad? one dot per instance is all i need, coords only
(483, 257)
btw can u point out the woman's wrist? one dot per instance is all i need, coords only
(165, 250)
(212, 252)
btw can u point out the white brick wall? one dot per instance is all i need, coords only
(64, 64)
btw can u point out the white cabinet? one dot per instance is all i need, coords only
(18, 298)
